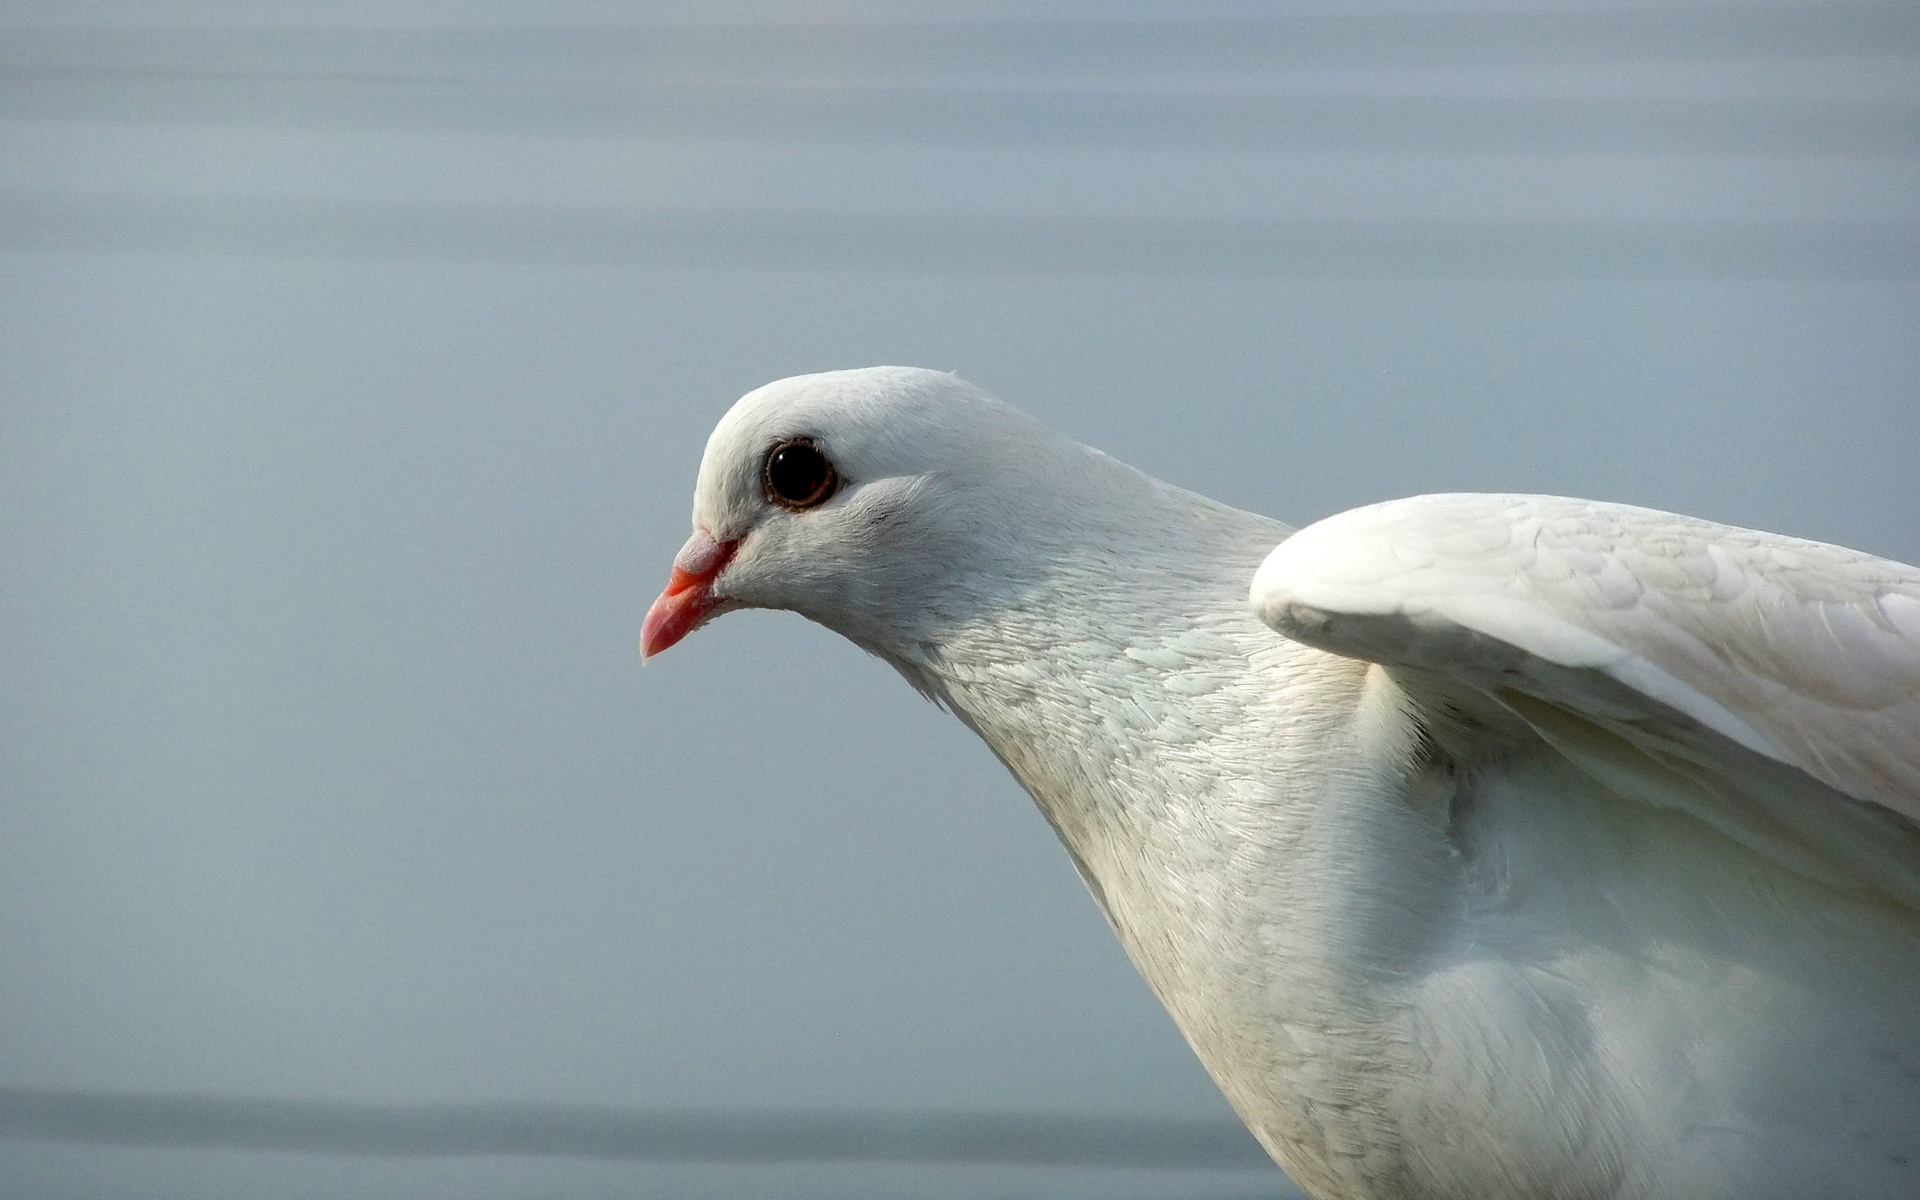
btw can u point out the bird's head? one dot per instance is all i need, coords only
(867, 500)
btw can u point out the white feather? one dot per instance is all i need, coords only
(1557, 849)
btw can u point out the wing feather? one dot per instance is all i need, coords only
(1719, 653)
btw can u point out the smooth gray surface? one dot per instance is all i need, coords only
(327, 766)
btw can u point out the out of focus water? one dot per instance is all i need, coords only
(357, 361)
(57, 1173)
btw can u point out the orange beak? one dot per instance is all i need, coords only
(689, 595)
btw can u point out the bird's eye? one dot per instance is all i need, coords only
(798, 476)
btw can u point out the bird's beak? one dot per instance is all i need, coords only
(689, 595)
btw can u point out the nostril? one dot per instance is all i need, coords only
(703, 556)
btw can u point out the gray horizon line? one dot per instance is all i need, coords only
(896, 114)
(629, 1134)
(1032, 245)
(1262, 42)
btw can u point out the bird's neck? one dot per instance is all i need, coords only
(1164, 732)
(1102, 677)
(1207, 777)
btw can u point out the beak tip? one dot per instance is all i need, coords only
(672, 617)
(651, 640)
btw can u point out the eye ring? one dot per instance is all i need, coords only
(795, 475)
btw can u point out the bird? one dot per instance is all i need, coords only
(1479, 845)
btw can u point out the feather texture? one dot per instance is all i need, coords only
(1502, 847)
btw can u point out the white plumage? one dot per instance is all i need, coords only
(1504, 846)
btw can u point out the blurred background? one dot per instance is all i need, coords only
(355, 363)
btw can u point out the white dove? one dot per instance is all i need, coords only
(1502, 846)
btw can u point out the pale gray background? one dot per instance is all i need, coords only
(352, 384)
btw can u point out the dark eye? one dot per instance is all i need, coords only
(798, 476)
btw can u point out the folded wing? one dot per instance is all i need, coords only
(1769, 685)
